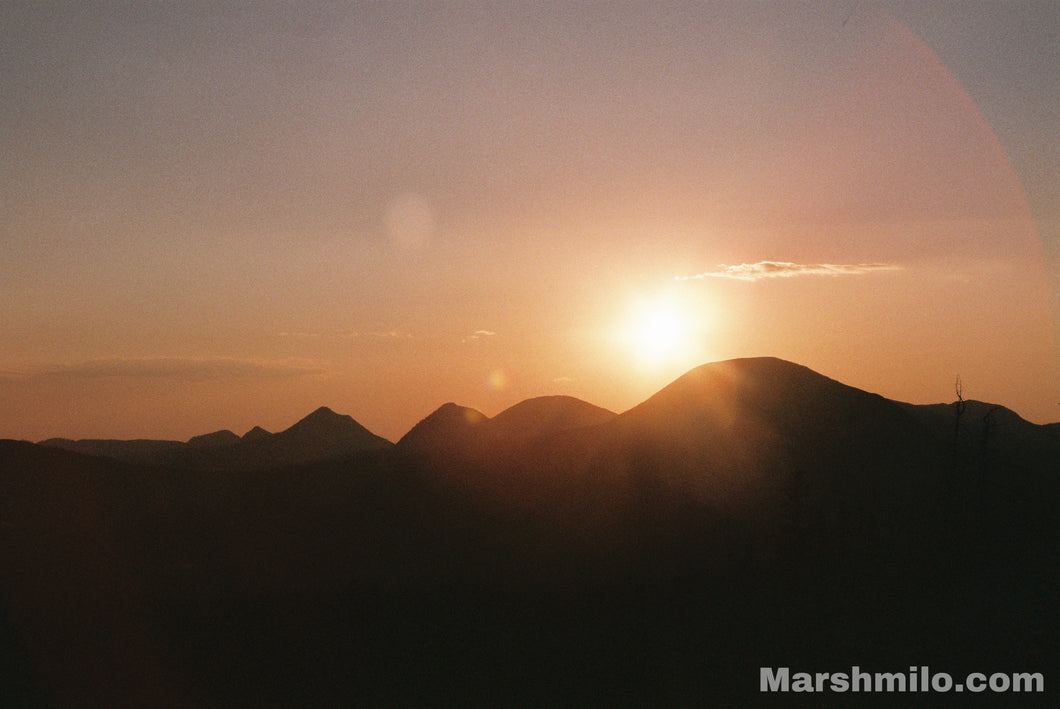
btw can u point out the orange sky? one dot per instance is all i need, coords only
(229, 217)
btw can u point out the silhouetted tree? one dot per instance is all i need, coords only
(950, 486)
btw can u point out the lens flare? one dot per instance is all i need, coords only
(497, 380)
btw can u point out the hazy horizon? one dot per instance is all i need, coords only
(397, 435)
(227, 217)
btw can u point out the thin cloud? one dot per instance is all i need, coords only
(179, 369)
(478, 335)
(379, 335)
(786, 269)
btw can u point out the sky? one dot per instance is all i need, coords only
(216, 216)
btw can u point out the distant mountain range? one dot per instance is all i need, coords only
(322, 435)
(750, 413)
(752, 513)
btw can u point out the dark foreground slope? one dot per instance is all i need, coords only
(753, 513)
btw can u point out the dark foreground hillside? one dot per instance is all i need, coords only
(751, 514)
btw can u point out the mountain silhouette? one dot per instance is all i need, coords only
(457, 429)
(448, 426)
(545, 415)
(751, 513)
(139, 451)
(327, 431)
(739, 418)
(255, 434)
(321, 435)
(464, 444)
(217, 439)
(727, 432)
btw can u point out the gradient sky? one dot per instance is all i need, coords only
(217, 216)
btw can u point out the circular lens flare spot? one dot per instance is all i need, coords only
(497, 380)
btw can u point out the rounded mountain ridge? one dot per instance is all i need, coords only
(547, 414)
(780, 400)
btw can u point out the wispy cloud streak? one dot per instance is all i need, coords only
(478, 335)
(379, 335)
(786, 269)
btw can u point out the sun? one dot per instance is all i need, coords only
(660, 333)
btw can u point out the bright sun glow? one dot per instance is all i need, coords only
(661, 333)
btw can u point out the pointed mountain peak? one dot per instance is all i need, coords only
(452, 415)
(324, 414)
(324, 420)
(458, 414)
(322, 434)
(256, 434)
(445, 424)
